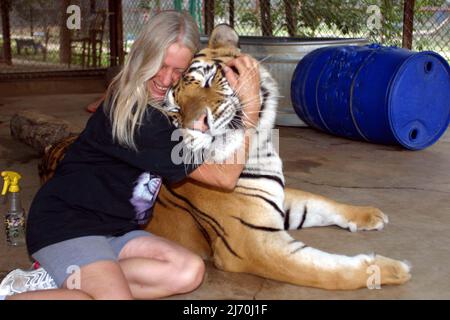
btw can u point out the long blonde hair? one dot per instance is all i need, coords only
(127, 96)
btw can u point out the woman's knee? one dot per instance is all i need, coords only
(190, 274)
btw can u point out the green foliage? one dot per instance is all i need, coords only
(346, 16)
(219, 8)
(391, 23)
(351, 18)
(429, 3)
(248, 19)
(314, 18)
(150, 4)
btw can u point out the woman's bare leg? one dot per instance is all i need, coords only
(156, 267)
(101, 280)
(53, 294)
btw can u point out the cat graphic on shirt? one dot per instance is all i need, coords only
(144, 196)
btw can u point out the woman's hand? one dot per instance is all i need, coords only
(247, 86)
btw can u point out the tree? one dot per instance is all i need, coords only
(266, 20)
(209, 16)
(231, 12)
(290, 7)
(64, 33)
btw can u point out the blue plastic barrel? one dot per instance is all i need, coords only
(373, 93)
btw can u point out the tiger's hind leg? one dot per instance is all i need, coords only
(276, 255)
(304, 210)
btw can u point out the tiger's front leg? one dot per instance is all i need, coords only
(304, 210)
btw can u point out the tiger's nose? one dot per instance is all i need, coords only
(201, 123)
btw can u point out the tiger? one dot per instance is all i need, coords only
(53, 154)
(246, 229)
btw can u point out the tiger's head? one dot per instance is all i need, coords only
(203, 103)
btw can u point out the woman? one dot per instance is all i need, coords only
(86, 218)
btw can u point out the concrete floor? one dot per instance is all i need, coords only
(413, 188)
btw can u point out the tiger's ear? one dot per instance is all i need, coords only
(223, 36)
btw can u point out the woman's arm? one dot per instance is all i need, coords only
(247, 87)
(224, 176)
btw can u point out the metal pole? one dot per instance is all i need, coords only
(120, 51)
(209, 16)
(231, 12)
(92, 6)
(65, 50)
(115, 33)
(195, 11)
(5, 5)
(408, 23)
(177, 5)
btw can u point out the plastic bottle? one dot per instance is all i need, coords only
(15, 215)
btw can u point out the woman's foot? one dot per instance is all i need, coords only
(92, 107)
(19, 281)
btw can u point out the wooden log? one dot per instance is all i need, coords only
(40, 130)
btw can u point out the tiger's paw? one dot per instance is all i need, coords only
(365, 218)
(392, 271)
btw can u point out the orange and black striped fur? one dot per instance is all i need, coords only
(246, 230)
(52, 156)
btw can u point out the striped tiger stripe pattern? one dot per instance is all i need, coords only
(52, 157)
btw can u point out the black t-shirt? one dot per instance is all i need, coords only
(102, 188)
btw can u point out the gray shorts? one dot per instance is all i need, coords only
(60, 258)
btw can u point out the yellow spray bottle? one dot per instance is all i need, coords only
(15, 216)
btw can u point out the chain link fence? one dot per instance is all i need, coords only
(377, 20)
(41, 42)
(137, 12)
(45, 35)
(432, 28)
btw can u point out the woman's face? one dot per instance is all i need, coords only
(176, 60)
